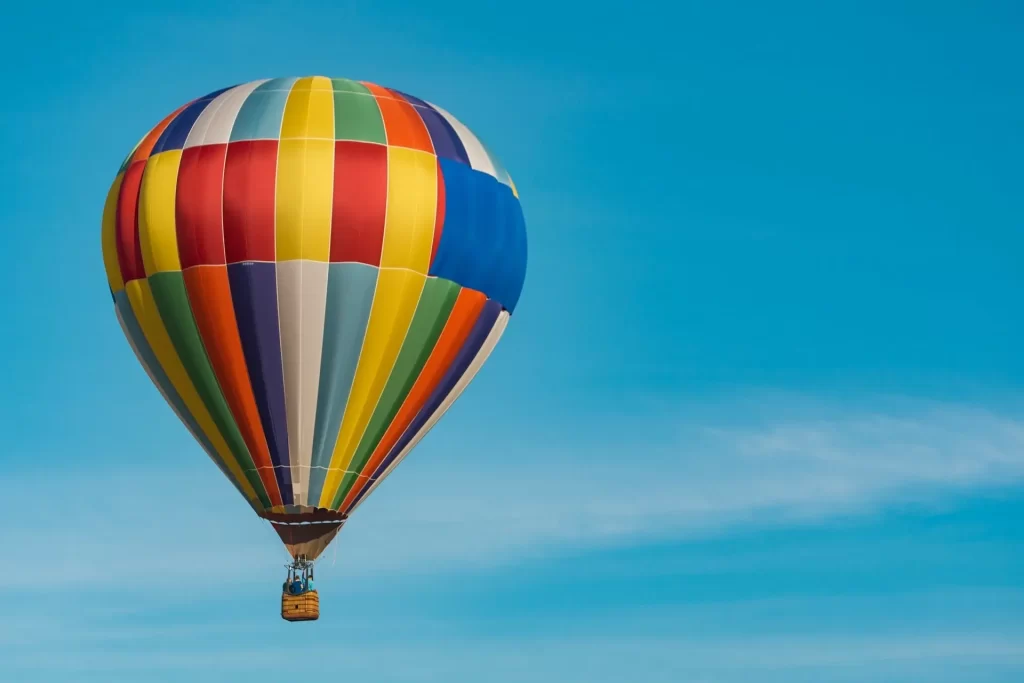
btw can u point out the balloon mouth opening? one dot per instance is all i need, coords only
(306, 534)
(304, 515)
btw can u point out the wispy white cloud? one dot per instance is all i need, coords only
(682, 477)
(672, 476)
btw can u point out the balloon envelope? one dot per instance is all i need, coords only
(311, 270)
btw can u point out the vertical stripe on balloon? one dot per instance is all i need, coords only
(109, 237)
(177, 131)
(412, 210)
(350, 291)
(411, 99)
(254, 295)
(360, 202)
(259, 117)
(148, 360)
(218, 119)
(305, 188)
(200, 236)
(356, 114)
(460, 323)
(462, 373)
(305, 198)
(499, 169)
(202, 244)
(198, 206)
(131, 155)
(431, 315)
(209, 294)
(172, 300)
(478, 157)
(249, 186)
(403, 125)
(158, 239)
(408, 235)
(158, 246)
(249, 235)
(302, 301)
(129, 254)
(394, 303)
(474, 342)
(201, 402)
(145, 148)
(445, 140)
(305, 173)
(309, 112)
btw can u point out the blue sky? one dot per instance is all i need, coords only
(758, 415)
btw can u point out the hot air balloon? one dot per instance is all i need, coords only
(311, 270)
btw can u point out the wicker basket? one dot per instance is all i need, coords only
(305, 607)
